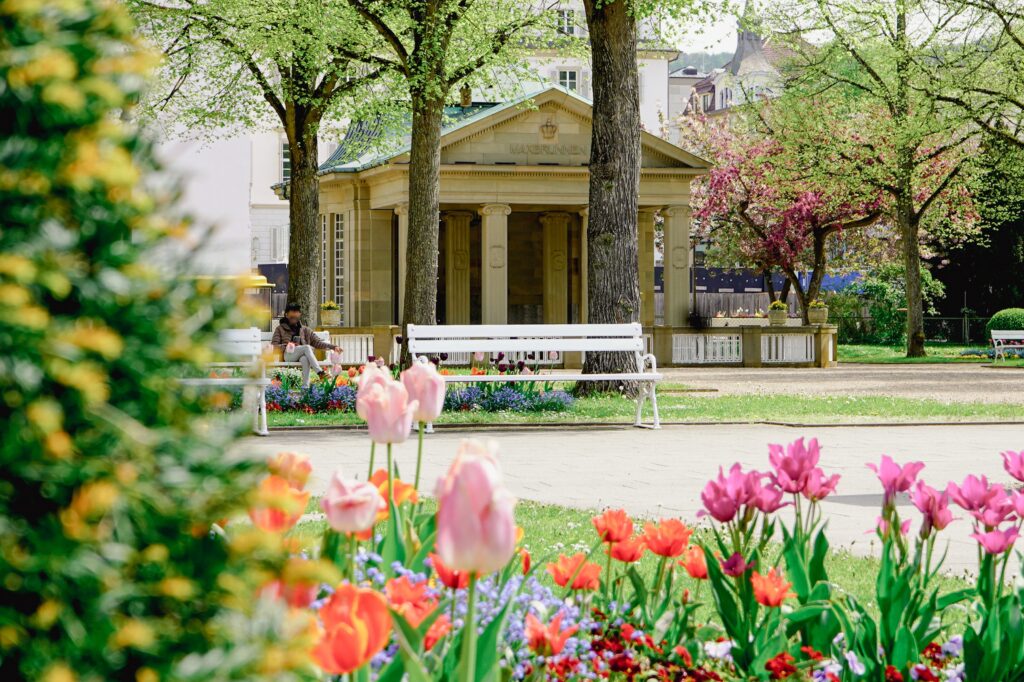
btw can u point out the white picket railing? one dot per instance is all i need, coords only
(787, 348)
(699, 349)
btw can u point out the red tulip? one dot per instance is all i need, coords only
(587, 574)
(454, 580)
(770, 589)
(629, 550)
(547, 640)
(613, 526)
(695, 563)
(410, 599)
(357, 625)
(668, 538)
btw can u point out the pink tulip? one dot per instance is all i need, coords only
(1018, 503)
(997, 508)
(895, 478)
(768, 498)
(351, 506)
(934, 505)
(974, 493)
(997, 541)
(426, 387)
(794, 464)
(1013, 462)
(479, 356)
(372, 375)
(387, 411)
(883, 526)
(476, 530)
(292, 467)
(818, 487)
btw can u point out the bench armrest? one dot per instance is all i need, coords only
(650, 361)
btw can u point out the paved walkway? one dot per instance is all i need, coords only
(967, 382)
(655, 473)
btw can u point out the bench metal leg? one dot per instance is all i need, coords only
(261, 413)
(429, 428)
(647, 392)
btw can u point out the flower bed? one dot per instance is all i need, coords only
(338, 394)
(455, 594)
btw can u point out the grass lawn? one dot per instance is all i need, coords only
(552, 530)
(938, 353)
(712, 407)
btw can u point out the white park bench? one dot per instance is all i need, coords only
(542, 340)
(246, 345)
(1001, 340)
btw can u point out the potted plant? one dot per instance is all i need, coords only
(778, 311)
(817, 312)
(330, 314)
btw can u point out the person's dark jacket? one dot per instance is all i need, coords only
(285, 332)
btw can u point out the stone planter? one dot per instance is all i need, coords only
(330, 318)
(777, 318)
(817, 315)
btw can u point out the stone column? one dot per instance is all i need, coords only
(677, 265)
(494, 263)
(402, 211)
(584, 268)
(645, 232)
(556, 257)
(456, 224)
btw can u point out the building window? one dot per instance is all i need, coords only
(286, 161)
(323, 258)
(568, 79)
(567, 22)
(706, 102)
(339, 260)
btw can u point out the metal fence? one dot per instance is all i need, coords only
(957, 330)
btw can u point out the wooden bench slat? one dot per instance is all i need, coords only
(492, 331)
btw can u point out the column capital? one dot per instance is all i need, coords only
(555, 217)
(495, 209)
(681, 209)
(402, 209)
(650, 210)
(584, 212)
(457, 214)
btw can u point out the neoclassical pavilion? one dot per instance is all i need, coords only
(514, 193)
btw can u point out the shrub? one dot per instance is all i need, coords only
(114, 479)
(1008, 319)
(885, 293)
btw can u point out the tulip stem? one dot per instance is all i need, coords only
(373, 446)
(469, 633)
(391, 487)
(353, 545)
(608, 576)
(419, 458)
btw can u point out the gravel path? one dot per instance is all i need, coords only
(953, 383)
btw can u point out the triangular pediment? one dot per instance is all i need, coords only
(552, 127)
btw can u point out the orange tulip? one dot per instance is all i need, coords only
(278, 506)
(613, 526)
(667, 538)
(292, 467)
(527, 560)
(357, 625)
(694, 563)
(587, 574)
(452, 579)
(410, 599)
(770, 589)
(547, 640)
(628, 550)
(404, 492)
(441, 627)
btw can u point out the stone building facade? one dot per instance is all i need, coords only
(514, 194)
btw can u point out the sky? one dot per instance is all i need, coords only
(718, 36)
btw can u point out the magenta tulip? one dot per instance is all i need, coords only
(1013, 462)
(1018, 503)
(818, 487)
(388, 412)
(933, 505)
(735, 566)
(426, 386)
(974, 494)
(351, 506)
(794, 463)
(997, 541)
(895, 478)
(476, 530)
(997, 508)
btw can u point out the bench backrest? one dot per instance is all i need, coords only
(1012, 335)
(240, 343)
(508, 338)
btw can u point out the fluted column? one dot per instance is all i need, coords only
(402, 211)
(677, 265)
(494, 263)
(645, 230)
(584, 268)
(556, 257)
(456, 224)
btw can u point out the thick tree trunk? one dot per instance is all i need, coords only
(424, 213)
(304, 239)
(912, 278)
(613, 265)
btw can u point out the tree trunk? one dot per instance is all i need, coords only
(305, 257)
(912, 279)
(613, 263)
(424, 213)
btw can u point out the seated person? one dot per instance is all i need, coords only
(290, 330)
